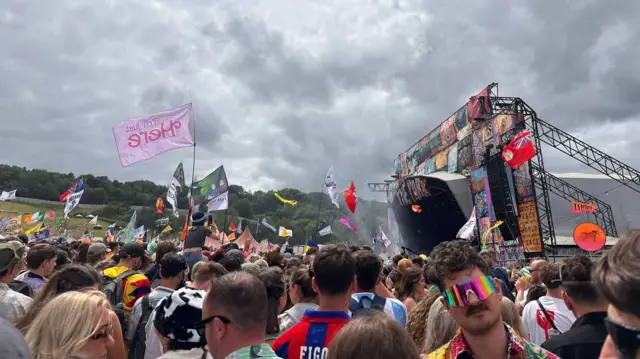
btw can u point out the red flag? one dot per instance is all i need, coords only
(232, 227)
(159, 206)
(186, 225)
(350, 197)
(519, 151)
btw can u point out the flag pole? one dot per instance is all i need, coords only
(333, 218)
(315, 233)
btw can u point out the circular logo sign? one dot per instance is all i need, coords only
(589, 236)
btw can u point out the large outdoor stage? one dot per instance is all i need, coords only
(458, 167)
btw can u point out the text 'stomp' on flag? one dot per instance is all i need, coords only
(142, 138)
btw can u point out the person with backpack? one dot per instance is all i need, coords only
(368, 277)
(173, 271)
(123, 285)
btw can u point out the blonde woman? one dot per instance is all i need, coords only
(511, 317)
(440, 327)
(73, 325)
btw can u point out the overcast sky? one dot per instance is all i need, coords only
(282, 89)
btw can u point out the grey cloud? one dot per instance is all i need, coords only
(282, 92)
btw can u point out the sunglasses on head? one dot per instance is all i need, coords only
(481, 287)
(103, 332)
(627, 340)
(201, 324)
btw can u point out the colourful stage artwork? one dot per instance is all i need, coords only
(483, 225)
(452, 158)
(476, 180)
(458, 145)
(441, 160)
(480, 200)
(529, 227)
(462, 120)
(523, 184)
(589, 236)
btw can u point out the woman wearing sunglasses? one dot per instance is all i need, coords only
(72, 325)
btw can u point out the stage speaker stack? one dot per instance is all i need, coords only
(503, 203)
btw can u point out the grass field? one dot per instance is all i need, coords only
(74, 225)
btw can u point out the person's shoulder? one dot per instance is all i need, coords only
(139, 280)
(298, 330)
(21, 298)
(538, 352)
(397, 302)
(444, 352)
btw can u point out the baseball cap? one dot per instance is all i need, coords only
(97, 248)
(8, 256)
(131, 250)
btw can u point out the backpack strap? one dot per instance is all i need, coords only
(546, 315)
(119, 285)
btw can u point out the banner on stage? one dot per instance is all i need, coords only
(142, 138)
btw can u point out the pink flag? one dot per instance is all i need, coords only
(347, 222)
(141, 138)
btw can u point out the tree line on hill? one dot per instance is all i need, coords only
(246, 206)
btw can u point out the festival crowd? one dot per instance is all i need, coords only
(92, 300)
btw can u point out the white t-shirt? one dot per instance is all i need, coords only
(536, 322)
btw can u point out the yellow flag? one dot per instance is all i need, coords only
(285, 201)
(486, 234)
(166, 229)
(232, 236)
(34, 229)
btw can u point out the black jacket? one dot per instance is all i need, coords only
(583, 341)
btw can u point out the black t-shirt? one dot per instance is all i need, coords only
(196, 237)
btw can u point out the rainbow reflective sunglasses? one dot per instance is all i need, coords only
(481, 287)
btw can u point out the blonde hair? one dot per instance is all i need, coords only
(390, 338)
(62, 328)
(441, 327)
(510, 316)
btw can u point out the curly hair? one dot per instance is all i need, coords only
(451, 257)
(550, 275)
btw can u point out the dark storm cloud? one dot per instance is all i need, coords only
(281, 90)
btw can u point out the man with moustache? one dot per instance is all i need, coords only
(472, 298)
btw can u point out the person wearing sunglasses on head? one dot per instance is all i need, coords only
(617, 277)
(472, 297)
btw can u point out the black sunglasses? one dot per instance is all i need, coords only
(627, 340)
(204, 322)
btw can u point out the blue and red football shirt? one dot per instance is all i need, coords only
(312, 336)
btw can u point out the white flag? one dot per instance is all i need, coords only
(283, 232)
(264, 223)
(172, 194)
(72, 202)
(384, 241)
(219, 203)
(8, 195)
(139, 232)
(94, 220)
(466, 232)
(332, 187)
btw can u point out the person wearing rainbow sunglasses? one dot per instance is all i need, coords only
(472, 297)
